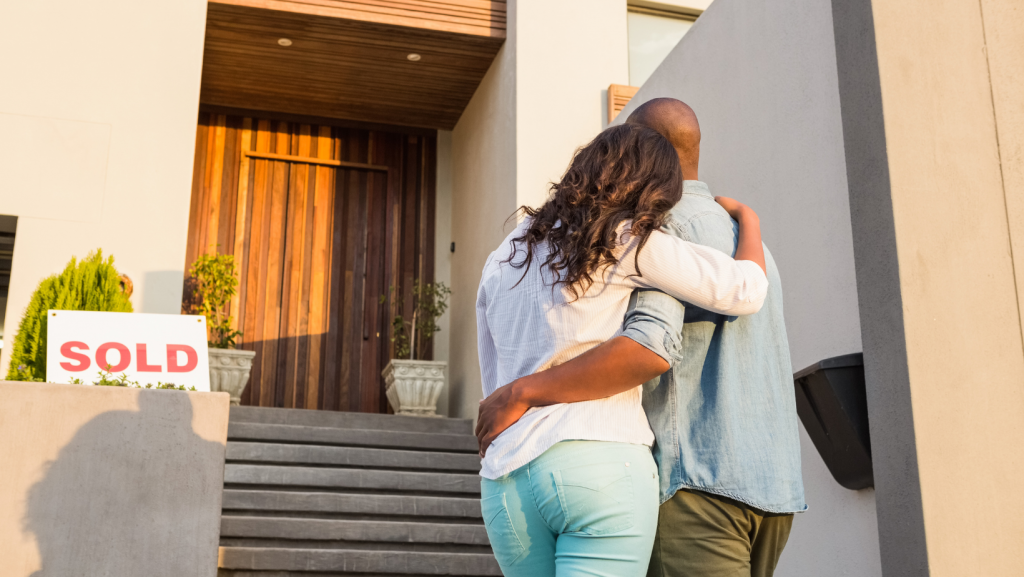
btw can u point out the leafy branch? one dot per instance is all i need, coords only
(107, 379)
(429, 302)
(215, 285)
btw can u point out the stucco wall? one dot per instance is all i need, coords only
(762, 78)
(110, 481)
(99, 136)
(483, 195)
(934, 233)
(543, 97)
(691, 4)
(442, 250)
(562, 75)
(1004, 39)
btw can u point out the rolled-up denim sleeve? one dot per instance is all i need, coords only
(655, 321)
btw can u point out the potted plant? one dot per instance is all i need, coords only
(413, 385)
(213, 285)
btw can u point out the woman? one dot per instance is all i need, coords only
(572, 488)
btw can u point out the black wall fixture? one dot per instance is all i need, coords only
(831, 402)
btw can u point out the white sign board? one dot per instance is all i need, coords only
(149, 348)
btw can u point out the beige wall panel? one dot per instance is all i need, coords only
(53, 169)
(483, 196)
(562, 77)
(962, 326)
(442, 251)
(111, 91)
(1004, 40)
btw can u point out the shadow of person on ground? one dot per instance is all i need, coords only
(133, 493)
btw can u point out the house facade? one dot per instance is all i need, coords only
(341, 148)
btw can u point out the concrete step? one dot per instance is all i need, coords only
(362, 479)
(340, 420)
(244, 431)
(395, 533)
(351, 457)
(328, 504)
(264, 560)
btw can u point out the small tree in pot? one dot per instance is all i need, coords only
(413, 384)
(213, 285)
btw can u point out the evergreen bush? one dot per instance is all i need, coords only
(92, 284)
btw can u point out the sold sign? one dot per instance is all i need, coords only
(148, 348)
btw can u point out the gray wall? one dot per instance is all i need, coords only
(762, 77)
(110, 481)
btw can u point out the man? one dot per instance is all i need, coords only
(724, 415)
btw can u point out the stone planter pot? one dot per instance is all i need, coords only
(229, 371)
(414, 386)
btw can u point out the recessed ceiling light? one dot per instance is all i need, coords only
(414, 57)
(284, 42)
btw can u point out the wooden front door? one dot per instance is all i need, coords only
(322, 220)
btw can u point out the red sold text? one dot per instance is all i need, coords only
(75, 352)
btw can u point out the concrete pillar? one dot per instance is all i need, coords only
(930, 95)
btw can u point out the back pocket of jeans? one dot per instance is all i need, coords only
(504, 541)
(595, 499)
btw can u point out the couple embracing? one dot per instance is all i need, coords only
(639, 415)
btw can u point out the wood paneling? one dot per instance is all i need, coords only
(342, 67)
(619, 96)
(474, 17)
(319, 231)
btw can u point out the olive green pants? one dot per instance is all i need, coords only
(703, 535)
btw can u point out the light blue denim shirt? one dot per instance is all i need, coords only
(724, 416)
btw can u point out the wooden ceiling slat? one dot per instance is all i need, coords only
(475, 13)
(382, 107)
(259, 19)
(374, 41)
(406, 86)
(401, 118)
(358, 57)
(414, 14)
(454, 79)
(344, 68)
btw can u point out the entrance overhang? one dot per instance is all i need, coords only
(351, 60)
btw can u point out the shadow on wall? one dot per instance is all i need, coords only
(102, 507)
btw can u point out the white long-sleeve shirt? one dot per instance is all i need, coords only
(531, 327)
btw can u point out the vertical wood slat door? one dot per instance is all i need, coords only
(315, 245)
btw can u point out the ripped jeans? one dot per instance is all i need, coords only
(581, 508)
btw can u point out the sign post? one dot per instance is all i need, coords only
(148, 348)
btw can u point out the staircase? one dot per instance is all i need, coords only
(321, 493)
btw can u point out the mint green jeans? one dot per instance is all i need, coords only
(581, 508)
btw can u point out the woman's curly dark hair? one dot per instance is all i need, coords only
(626, 172)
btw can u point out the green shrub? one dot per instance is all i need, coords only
(107, 379)
(214, 284)
(92, 284)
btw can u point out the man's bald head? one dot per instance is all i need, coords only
(678, 123)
